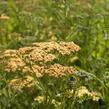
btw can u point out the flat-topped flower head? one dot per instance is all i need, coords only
(10, 53)
(65, 48)
(83, 91)
(35, 70)
(25, 50)
(14, 64)
(4, 17)
(46, 46)
(40, 57)
(20, 83)
(58, 70)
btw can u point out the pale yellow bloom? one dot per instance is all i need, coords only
(56, 103)
(33, 59)
(4, 17)
(39, 99)
(14, 64)
(39, 55)
(19, 83)
(95, 96)
(57, 70)
(82, 91)
(65, 48)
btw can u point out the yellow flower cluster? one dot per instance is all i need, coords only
(41, 99)
(37, 56)
(10, 53)
(55, 70)
(82, 91)
(58, 70)
(14, 64)
(35, 70)
(65, 48)
(4, 17)
(19, 83)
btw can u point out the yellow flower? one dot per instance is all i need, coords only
(39, 99)
(65, 48)
(9, 52)
(4, 17)
(56, 103)
(95, 96)
(38, 56)
(19, 83)
(57, 70)
(14, 64)
(82, 91)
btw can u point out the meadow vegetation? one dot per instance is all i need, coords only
(54, 54)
